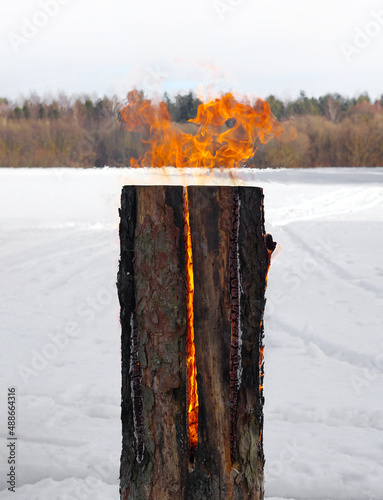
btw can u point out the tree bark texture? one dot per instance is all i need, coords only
(231, 256)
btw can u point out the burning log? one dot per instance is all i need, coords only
(192, 364)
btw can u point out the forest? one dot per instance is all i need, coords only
(86, 131)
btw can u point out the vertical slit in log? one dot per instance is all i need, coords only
(192, 396)
(235, 344)
(135, 387)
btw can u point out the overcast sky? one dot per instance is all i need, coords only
(249, 46)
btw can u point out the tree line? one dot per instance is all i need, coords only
(86, 131)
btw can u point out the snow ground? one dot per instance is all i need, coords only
(59, 311)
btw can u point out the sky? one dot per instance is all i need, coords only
(250, 47)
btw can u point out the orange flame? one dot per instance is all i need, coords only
(227, 134)
(273, 255)
(191, 364)
(277, 252)
(261, 355)
(261, 360)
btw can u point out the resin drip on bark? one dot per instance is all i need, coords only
(236, 341)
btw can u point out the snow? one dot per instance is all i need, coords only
(60, 333)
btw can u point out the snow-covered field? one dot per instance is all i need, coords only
(60, 335)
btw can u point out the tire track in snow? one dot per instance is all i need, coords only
(44, 250)
(338, 202)
(334, 417)
(332, 350)
(339, 271)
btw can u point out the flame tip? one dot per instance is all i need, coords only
(216, 143)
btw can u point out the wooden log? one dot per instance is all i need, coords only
(255, 248)
(210, 221)
(151, 286)
(230, 260)
(229, 456)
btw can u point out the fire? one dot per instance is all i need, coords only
(261, 360)
(276, 254)
(271, 246)
(191, 364)
(227, 132)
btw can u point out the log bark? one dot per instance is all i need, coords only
(152, 296)
(230, 262)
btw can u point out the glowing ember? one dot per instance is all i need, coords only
(191, 364)
(227, 132)
(261, 360)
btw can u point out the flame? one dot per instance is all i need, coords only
(277, 252)
(261, 355)
(191, 365)
(227, 132)
(273, 255)
(261, 360)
